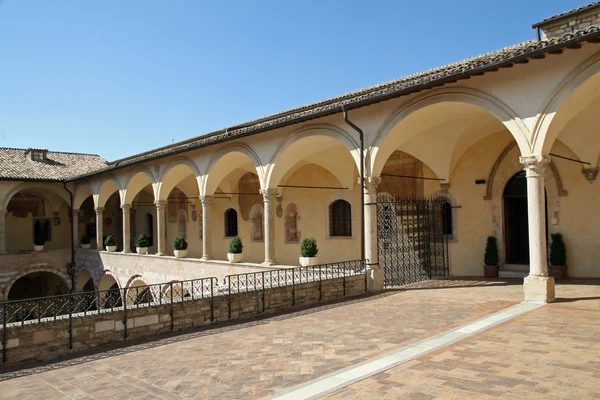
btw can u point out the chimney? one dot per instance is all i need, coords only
(570, 21)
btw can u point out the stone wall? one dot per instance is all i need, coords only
(48, 340)
(580, 21)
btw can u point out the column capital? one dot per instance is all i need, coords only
(371, 183)
(99, 210)
(160, 203)
(589, 173)
(535, 166)
(269, 192)
(445, 187)
(206, 200)
(125, 207)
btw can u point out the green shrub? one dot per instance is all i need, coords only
(179, 243)
(235, 246)
(110, 241)
(558, 251)
(39, 239)
(85, 239)
(491, 251)
(308, 247)
(142, 241)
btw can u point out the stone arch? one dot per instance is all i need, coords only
(83, 190)
(209, 188)
(107, 188)
(508, 166)
(108, 275)
(163, 189)
(83, 276)
(39, 189)
(541, 142)
(31, 270)
(485, 101)
(136, 277)
(134, 184)
(308, 131)
(180, 291)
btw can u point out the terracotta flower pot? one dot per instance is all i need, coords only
(490, 271)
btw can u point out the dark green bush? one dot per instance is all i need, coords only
(142, 241)
(39, 239)
(558, 251)
(235, 246)
(85, 239)
(180, 243)
(110, 241)
(308, 247)
(491, 251)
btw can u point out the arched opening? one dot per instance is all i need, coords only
(340, 214)
(37, 284)
(516, 230)
(292, 230)
(138, 293)
(182, 223)
(110, 292)
(231, 223)
(257, 220)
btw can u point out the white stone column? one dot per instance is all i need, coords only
(269, 224)
(2, 231)
(538, 286)
(99, 226)
(374, 270)
(75, 223)
(161, 229)
(206, 200)
(126, 227)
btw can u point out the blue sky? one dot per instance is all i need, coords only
(117, 77)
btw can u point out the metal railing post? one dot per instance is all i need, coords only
(4, 333)
(70, 321)
(172, 312)
(320, 285)
(124, 313)
(263, 291)
(229, 297)
(212, 304)
(293, 288)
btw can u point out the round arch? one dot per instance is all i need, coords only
(139, 178)
(376, 158)
(107, 280)
(38, 189)
(178, 166)
(310, 131)
(31, 270)
(54, 281)
(543, 134)
(83, 190)
(107, 188)
(215, 174)
(83, 277)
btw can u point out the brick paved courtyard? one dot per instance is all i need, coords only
(530, 355)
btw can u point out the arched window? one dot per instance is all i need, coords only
(231, 223)
(150, 228)
(292, 234)
(447, 218)
(181, 223)
(47, 231)
(256, 219)
(340, 218)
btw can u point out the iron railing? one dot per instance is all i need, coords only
(50, 309)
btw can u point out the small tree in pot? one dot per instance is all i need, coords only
(235, 250)
(308, 252)
(142, 243)
(180, 245)
(491, 258)
(558, 257)
(85, 242)
(39, 241)
(110, 243)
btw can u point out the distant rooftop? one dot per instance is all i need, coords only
(568, 14)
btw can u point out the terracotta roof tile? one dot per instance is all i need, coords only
(567, 14)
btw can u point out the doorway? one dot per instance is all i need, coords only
(516, 221)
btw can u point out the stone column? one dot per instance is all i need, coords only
(374, 270)
(75, 223)
(206, 200)
(126, 228)
(269, 224)
(99, 226)
(2, 231)
(538, 286)
(161, 229)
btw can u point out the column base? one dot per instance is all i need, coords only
(160, 254)
(539, 289)
(205, 258)
(269, 263)
(374, 279)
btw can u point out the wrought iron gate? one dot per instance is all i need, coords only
(411, 240)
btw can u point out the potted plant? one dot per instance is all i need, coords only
(235, 250)
(180, 246)
(308, 251)
(558, 257)
(85, 242)
(110, 243)
(142, 243)
(491, 258)
(38, 241)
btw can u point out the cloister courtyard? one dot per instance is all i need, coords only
(548, 352)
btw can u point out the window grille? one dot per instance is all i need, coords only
(340, 218)
(231, 223)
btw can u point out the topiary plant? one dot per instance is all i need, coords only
(110, 241)
(39, 239)
(558, 251)
(308, 247)
(491, 252)
(180, 243)
(85, 239)
(235, 246)
(142, 241)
